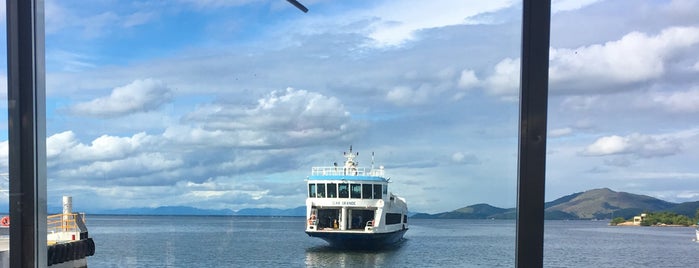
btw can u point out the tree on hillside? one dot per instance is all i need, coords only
(617, 220)
(669, 218)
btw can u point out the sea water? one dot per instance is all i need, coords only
(216, 241)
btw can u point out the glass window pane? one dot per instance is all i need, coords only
(356, 191)
(366, 191)
(332, 190)
(377, 191)
(321, 190)
(312, 190)
(189, 104)
(343, 188)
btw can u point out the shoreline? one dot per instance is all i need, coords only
(630, 223)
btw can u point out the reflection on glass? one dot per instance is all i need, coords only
(332, 190)
(343, 188)
(312, 190)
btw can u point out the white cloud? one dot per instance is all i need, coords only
(137, 18)
(397, 25)
(64, 147)
(644, 146)
(141, 165)
(3, 88)
(580, 103)
(59, 143)
(690, 195)
(468, 79)
(217, 3)
(567, 5)
(457, 157)
(636, 57)
(560, 132)
(608, 145)
(464, 158)
(69, 61)
(55, 16)
(678, 101)
(98, 25)
(403, 95)
(90, 21)
(4, 155)
(139, 96)
(136, 160)
(282, 117)
(203, 138)
(505, 80)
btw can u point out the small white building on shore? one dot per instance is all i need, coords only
(638, 219)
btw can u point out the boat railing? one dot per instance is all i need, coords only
(342, 171)
(72, 222)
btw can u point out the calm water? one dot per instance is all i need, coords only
(195, 241)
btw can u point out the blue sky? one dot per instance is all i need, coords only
(228, 104)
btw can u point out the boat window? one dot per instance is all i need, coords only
(385, 189)
(377, 191)
(321, 189)
(356, 191)
(366, 191)
(393, 218)
(343, 189)
(332, 190)
(312, 190)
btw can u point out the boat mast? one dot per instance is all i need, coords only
(350, 164)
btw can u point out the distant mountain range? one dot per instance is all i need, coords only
(185, 210)
(593, 204)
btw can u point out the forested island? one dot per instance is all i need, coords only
(659, 219)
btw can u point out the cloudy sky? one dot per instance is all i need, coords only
(228, 104)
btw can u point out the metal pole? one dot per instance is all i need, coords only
(26, 96)
(536, 17)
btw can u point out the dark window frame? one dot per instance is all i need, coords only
(25, 56)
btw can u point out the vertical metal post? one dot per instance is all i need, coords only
(26, 101)
(536, 20)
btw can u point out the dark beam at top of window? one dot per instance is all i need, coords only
(298, 5)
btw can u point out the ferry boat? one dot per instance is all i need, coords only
(350, 206)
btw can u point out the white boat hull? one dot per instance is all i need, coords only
(360, 240)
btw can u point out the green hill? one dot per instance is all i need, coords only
(477, 211)
(602, 203)
(688, 209)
